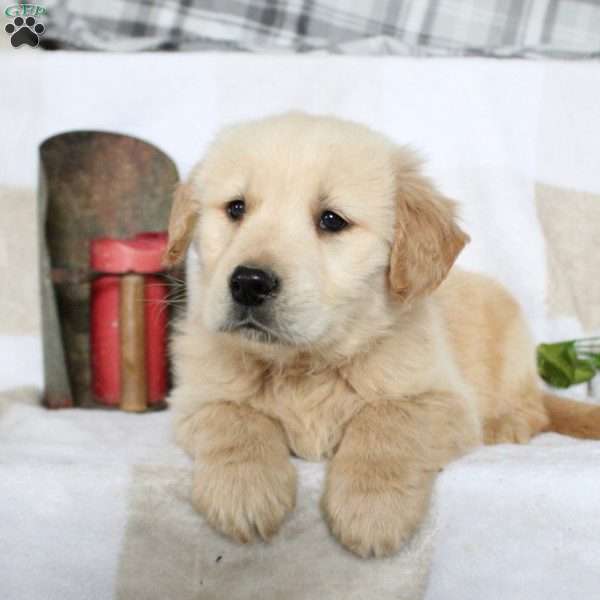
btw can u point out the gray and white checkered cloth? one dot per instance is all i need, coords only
(500, 28)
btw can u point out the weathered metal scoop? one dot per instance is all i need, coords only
(92, 184)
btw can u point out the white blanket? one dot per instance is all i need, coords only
(93, 504)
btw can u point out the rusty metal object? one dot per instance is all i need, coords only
(92, 184)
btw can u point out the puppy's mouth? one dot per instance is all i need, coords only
(251, 328)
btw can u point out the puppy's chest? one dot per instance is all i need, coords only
(312, 409)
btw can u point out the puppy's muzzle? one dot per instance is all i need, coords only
(250, 286)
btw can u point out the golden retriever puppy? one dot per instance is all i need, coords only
(326, 326)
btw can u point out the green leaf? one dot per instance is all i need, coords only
(560, 366)
(593, 359)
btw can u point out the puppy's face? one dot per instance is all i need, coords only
(303, 229)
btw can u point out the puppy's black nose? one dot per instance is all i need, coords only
(250, 286)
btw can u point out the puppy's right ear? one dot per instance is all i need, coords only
(184, 214)
(427, 238)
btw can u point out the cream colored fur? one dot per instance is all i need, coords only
(375, 366)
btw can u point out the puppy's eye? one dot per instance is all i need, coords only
(331, 221)
(236, 209)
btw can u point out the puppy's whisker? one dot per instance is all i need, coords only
(165, 303)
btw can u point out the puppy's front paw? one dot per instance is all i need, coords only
(245, 499)
(371, 516)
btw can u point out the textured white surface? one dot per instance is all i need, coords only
(20, 361)
(89, 499)
(518, 522)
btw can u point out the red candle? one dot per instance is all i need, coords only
(115, 260)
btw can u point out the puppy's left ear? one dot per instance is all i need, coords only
(184, 215)
(427, 238)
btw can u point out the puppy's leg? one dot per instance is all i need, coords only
(244, 482)
(380, 480)
(517, 427)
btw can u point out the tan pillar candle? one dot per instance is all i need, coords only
(131, 324)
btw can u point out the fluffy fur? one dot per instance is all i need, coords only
(373, 357)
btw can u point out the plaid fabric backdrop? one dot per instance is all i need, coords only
(556, 28)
